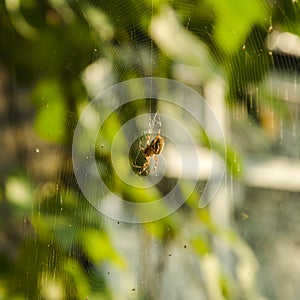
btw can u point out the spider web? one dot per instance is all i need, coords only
(257, 102)
(258, 84)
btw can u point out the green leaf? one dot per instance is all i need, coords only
(73, 268)
(51, 114)
(98, 247)
(235, 20)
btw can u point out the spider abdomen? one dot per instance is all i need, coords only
(156, 146)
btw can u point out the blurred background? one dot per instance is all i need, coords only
(242, 57)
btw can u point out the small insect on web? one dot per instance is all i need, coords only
(152, 148)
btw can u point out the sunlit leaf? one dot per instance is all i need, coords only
(98, 247)
(18, 20)
(18, 191)
(178, 43)
(201, 245)
(51, 114)
(51, 288)
(235, 20)
(72, 267)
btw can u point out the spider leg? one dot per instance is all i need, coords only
(140, 145)
(158, 123)
(156, 162)
(148, 139)
(148, 142)
(144, 166)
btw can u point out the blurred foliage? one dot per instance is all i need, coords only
(53, 244)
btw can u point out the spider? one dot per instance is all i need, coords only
(152, 148)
